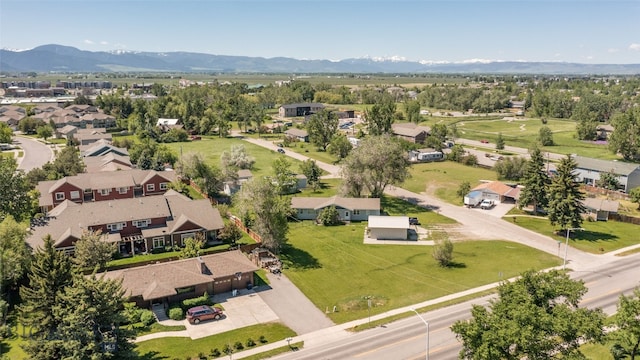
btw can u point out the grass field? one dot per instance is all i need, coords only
(182, 348)
(212, 147)
(598, 236)
(442, 179)
(333, 267)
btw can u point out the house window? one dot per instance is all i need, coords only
(158, 242)
(88, 191)
(75, 194)
(186, 290)
(356, 212)
(191, 235)
(151, 187)
(141, 223)
(164, 186)
(59, 196)
(122, 190)
(115, 226)
(105, 192)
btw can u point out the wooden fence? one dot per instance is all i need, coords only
(236, 220)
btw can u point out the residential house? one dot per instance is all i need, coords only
(589, 171)
(90, 136)
(516, 107)
(600, 209)
(349, 209)
(301, 109)
(100, 148)
(388, 227)
(168, 124)
(137, 225)
(411, 132)
(108, 162)
(604, 131)
(98, 120)
(174, 281)
(298, 134)
(103, 186)
(232, 187)
(66, 132)
(82, 109)
(498, 191)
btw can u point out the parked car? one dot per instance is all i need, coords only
(204, 312)
(281, 151)
(484, 141)
(486, 204)
(280, 145)
(414, 221)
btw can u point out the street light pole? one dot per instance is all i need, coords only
(566, 246)
(427, 324)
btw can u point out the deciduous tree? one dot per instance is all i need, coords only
(443, 252)
(380, 116)
(5, 133)
(545, 136)
(14, 191)
(340, 146)
(15, 255)
(534, 317)
(92, 250)
(625, 138)
(626, 336)
(500, 142)
(377, 162)
(322, 126)
(312, 171)
(260, 200)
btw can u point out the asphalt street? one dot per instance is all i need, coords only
(35, 153)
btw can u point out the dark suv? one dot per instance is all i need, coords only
(204, 312)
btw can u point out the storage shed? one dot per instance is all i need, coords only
(388, 227)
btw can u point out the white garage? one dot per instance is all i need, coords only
(388, 227)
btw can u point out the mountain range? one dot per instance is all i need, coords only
(60, 58)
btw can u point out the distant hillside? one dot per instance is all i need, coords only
(59, 58)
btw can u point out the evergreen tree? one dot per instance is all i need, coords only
(500, 142)
(565, 196)
(536, 182)
(50, 273)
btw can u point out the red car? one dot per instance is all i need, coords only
(204, 312)
(484, 141)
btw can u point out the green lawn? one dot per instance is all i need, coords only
(442, 179)
(328, 188)
(333, 267)
(312, 151)
(398, 207)
(598, 236)
(182, 348)
(212, 147)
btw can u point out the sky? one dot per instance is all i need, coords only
(581, 31)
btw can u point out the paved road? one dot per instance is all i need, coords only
(513, 149)
(36, 153)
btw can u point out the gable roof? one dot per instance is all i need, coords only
(605, 166)
(108, 162)
(162, 121)
(409, 129)
(497, 187)
(318, 203)
(601, 204)
(160, 280)
(296, 132)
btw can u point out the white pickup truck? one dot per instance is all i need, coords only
(486, 204)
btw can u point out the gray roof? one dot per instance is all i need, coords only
(388, 222)
(293, 106)
(409, 129)
(601, 204)
(297, 132)
(317, 203)
(605, 166)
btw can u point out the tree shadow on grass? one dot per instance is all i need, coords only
(151, 355)
(456, 265)
(590, 236)
(295, 258)
(404, 205)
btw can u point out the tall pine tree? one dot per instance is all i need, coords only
(536, 182)
(50, 273)
(565, 196)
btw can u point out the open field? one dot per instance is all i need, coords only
(212, 147)
(442, 179)
(181, 348)
(333, 267)
(598, 236)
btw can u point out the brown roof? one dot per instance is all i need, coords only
(108, 162)
(409, 129)
(296, 132)
(161, 280)
(497, 187)
(71, 219)
(317, 203)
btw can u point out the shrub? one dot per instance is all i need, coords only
(200, 300)
(147, 317)
(238, 345)
(250, 342)
(262, 339)
(329, 216)
(201, 355)
(227, 349)
(176, 314)
(215, 353)
(132, 312)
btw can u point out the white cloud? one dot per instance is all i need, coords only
(104, 43)
(635, 47)
(89, 42)
(613, 50)
(589, 57)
